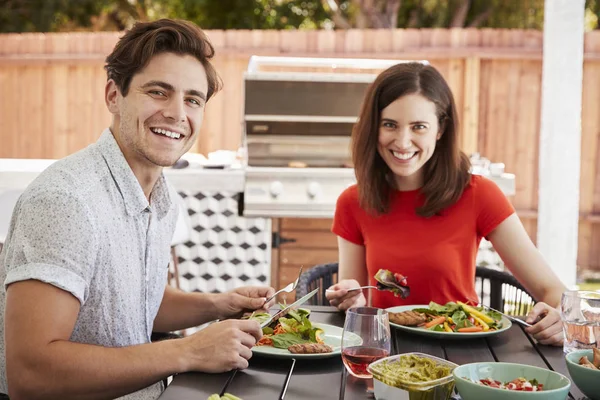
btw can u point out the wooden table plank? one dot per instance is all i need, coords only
(327, 317)
(193, 385)
(405, 342)
(465, 351)
(513, 346)
(556, 358)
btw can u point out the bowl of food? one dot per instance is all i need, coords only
(584, 368)
(509, 381)
(412, 376)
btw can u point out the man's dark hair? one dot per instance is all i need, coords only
(136, 48)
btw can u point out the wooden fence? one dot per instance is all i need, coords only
(52, 87)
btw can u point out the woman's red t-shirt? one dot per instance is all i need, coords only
(437, 254)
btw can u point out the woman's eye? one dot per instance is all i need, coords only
(419, 127)
(390, 125)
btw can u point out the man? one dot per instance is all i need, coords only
(85, 262)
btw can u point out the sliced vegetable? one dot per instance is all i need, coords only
(482, 324)
(471, 329)
(435, 321)
(447, 327)
(475, 313)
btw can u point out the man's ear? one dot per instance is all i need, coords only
(111, 96)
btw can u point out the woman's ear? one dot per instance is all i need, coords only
(439, 135)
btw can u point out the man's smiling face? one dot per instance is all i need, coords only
(161, 115)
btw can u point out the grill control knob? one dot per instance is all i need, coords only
(313, 190)
(276, 189)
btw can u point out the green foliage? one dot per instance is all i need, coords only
(251, 14)
(69, 15)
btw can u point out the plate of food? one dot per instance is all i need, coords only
(453, 320)
(295, 336)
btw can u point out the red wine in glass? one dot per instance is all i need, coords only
(365, 339)
(358, 358)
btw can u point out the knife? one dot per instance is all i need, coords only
(285, 310)
(510, 317)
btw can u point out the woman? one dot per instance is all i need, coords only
(416, 209)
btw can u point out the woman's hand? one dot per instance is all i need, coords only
(548, 329)
(339, 297)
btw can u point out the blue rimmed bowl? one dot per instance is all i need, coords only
(556, 386)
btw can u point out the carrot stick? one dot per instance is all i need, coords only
(435, 321)
(471, 329)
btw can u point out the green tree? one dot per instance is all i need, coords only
(436, 13)
(251, 14)
(68, 15)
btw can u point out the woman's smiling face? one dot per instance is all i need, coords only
(408, 132)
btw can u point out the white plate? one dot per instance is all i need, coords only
(332, 337)
(506, 324)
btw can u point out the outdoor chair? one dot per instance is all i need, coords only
(496, 289)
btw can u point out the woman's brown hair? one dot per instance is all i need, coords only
(147, 39)
(446, 174)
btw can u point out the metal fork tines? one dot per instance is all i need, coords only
(290, 287)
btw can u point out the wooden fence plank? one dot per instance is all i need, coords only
(470, 110)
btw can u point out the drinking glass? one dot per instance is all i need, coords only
(365, 339)
(580, 314)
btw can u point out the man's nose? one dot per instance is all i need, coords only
(175, 109)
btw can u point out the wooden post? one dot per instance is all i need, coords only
(560, 136)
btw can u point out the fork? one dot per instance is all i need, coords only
(510, 317)
(291, 286)
(356, 288)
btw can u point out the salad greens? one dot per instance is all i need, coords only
(293, 328)
(460, 317)
(394, 282)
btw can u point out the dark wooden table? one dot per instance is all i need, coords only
(326, 379)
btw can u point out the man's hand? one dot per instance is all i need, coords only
(221, 346)
(547, 328)
(248, 298)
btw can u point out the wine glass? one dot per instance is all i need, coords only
(365, 339)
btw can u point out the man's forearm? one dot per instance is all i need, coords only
(65, 369)
(181, 310)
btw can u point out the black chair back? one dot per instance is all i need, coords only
(320, 276)
(496, 289)
(502, 291)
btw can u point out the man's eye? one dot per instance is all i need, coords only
(156, 92)
(195, 102)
